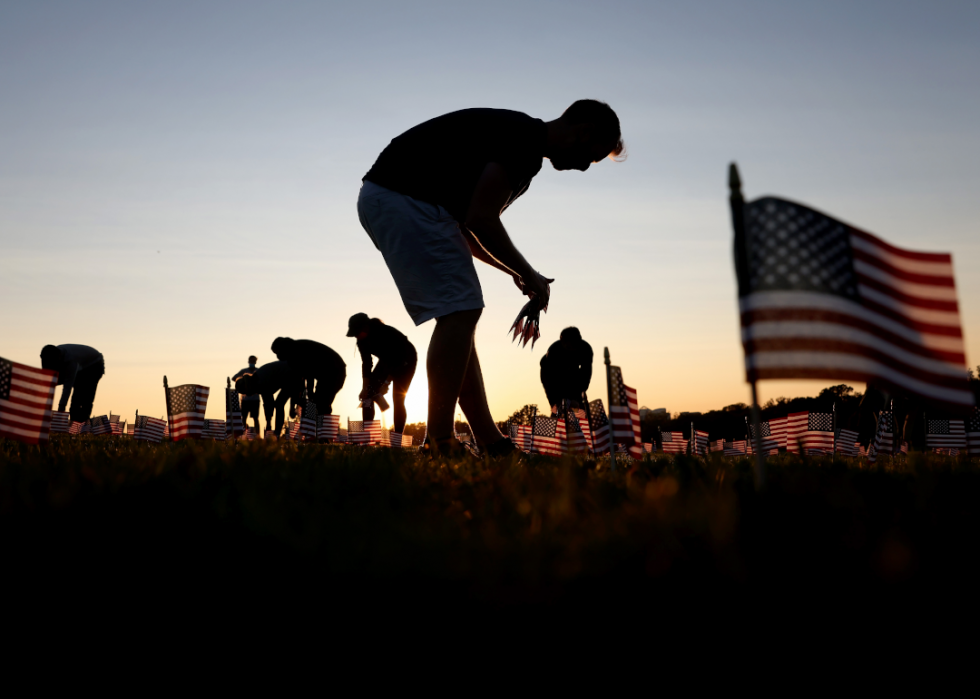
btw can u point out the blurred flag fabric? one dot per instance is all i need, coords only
(847, 442)
(769, 442)
(737, 447)
(521, 436)
(329, 427)
(582, 418)
(149, 429)
(796, 424)
(343, 436)
(575, 436)
(293, 428)
(233, 414)
(130, 429)
(700, 442)
(400, 440)
(214, 429)
(813, 431)
(115, 425)
(600, 427)
(249, 434)
(548, 436)
(673, 442)
(879, 441)
(945, 434)
(26, 395)
(100, 426)
(624, 414)
(78, 428)
(973, 433)
(820, 299)
(60, 422)
(307, 427)
(187, 405)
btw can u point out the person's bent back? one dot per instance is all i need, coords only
(566, 369)
(323, 371)
(267, 379)
(80, 368)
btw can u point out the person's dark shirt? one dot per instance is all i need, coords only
(390, 346)
(569, 365)
(440, 161)
(249, 370)
(274, 376)
(310, 357)
(74, 359)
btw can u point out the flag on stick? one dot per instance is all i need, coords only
(549, 435)
(624, 414)
(60, 422)
(308, 422)
(821, 299)
(115, 426)
(329, 427)
(100, 426)
(233, 414)
(973, 433)
(600, 427)
(700, 441)
(847, 442)
(26, 395)
(187, 404)
(78, 428)
(945, 434)
(149, 429)
(673, 442)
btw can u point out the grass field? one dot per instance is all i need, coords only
(346, 529)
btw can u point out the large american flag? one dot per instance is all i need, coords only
(149, 429)
(847, 442)
(548, 436)
(673, 442)
(624, 414)
(60, 422)
(233, 414)
(945, 434)
(26, 395)
(600, 427)
(100, 425)
(973, 433)
(822, 300)
(187, 404)
(329, 427)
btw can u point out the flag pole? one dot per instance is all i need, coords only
(166, 391)
(833, 428)
(612, 438)
(588, 420)
(760, 462)
(534, 416)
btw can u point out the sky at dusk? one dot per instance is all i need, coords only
(178, 180)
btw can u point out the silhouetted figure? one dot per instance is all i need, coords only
(397, 360)
(316, 364)
(250, 403)
(79, 368)
(566, 369)
(432, 202)
(267, 379)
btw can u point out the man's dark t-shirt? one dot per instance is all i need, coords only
(441, 160)
(390, 346)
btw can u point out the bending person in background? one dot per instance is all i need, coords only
(267, 379)
(322, 372)
(80, 368)
(566, 369)
(397, 360)
(250, 403)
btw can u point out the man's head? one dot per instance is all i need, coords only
(248, 385)
(252, 359)
(586, 132)
(51, 358)
(570, 336)
(281, 347)
(358, 324)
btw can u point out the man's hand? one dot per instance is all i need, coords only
(537, 287)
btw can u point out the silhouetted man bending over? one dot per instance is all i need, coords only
(267, 379)
(79, 368)
(432, 202)
(249, 403)
(396, 364)
(316, 363)
(566, 370)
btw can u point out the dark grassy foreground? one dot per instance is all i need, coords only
(114, 524)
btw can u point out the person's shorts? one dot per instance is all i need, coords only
(250, 408)
(425, 251)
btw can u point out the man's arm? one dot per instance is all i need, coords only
(67, 383)
(585, 370)
(489, 235)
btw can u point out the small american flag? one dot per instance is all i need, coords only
(149, 429)
(574, 432)
(521, 436)
(821, 299)
(233, 414)
(813, 432)
(739, 447)
(329, 427)
(700, 442)
(624, 414)
(796, 424)
(718, 445)
(130, 429)
(879, 444)
(100, 426)
(600, 427)
(401, 440)
(308, 421)
(973, 433)
(187, 404)
(292, 429)
(214, 429)
(115, 425)
(249, 434)
(548, 436)
(673, 442)
(945, 434)
(770, 442)
(26, 395)
(60, 422)
(78, 428)
(343, 435)
(847, 442)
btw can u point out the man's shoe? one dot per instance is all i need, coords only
(502, 448)
(449, 448)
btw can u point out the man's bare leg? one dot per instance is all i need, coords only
(446, 362)
(473, 402)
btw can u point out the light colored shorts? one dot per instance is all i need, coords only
(425, 251)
